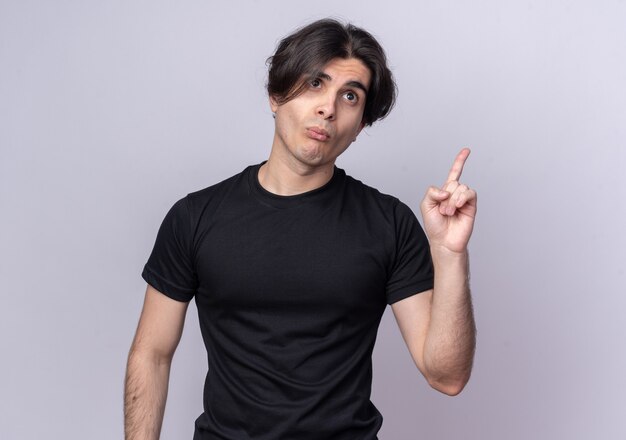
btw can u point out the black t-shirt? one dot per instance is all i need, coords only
(290, 291)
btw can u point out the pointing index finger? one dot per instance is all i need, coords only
(457, 166)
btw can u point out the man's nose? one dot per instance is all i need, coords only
(326, 107)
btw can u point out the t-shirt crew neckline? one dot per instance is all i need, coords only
(278, 201)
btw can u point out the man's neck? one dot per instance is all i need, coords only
(290, 177)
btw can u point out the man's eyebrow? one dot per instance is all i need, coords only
(356, 84)
(322, 75)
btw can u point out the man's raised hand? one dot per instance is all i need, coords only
(449, 211)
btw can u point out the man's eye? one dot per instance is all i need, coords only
(351, 96)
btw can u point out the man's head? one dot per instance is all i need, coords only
(302, 55)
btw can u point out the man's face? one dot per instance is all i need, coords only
(318, 125)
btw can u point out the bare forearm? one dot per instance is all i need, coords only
(145, 393)
(451, 339)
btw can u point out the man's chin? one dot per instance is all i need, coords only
(316, 156)
(311, 156)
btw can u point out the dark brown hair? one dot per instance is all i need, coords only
(310, 48)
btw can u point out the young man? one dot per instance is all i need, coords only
(292, 264)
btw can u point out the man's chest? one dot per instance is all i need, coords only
(304, 258)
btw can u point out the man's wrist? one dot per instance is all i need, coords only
(444, 258)
(441, 251)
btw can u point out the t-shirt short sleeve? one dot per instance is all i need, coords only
(170, 267)
(412, 269)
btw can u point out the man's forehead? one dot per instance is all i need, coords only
(350, 71)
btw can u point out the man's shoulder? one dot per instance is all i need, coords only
(374, 201)
(220, 187)
(208, 199)
(369, 192)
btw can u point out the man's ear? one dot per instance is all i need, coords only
(361, 126)
(273, 104)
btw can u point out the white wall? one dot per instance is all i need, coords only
(111, 111)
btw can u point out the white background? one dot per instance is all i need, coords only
(110, 111)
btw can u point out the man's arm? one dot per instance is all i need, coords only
(438, 325)
(438, 328)
(148, 369)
